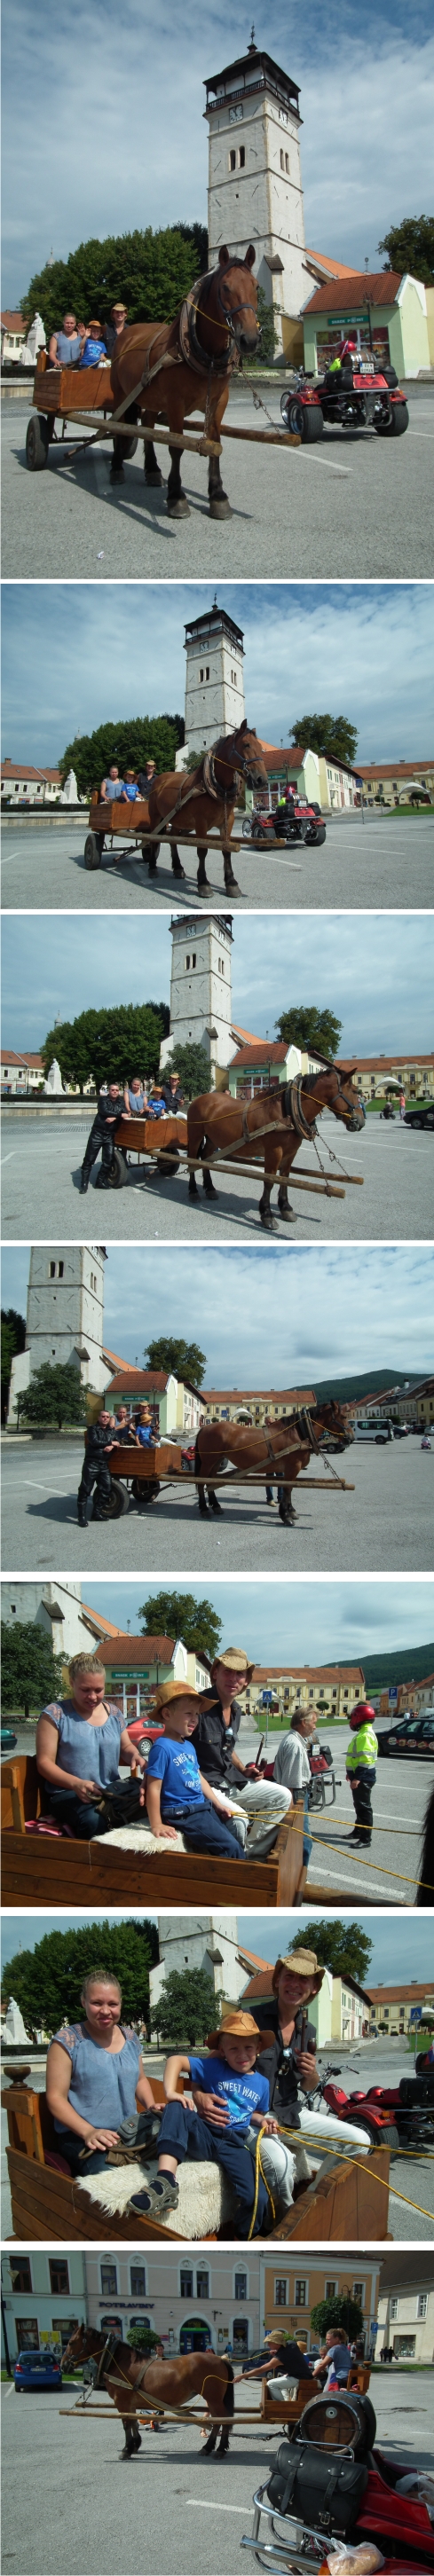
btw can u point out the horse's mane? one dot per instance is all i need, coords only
(326, 1065)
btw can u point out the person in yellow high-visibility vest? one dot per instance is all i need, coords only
(361, 1770)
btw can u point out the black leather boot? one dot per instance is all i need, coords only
(84, 1181)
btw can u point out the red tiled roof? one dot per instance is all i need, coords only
(332, 267)
(319, 1674)
(278, 759)
(258, 1394)
(32, 1061)
(106, 1625)
(410, 1994)
(262, 1051)
(116, 1358)
(140, 1381)
(394, 768)
(22, 769)
(382, 288)
(383, 1063)
(137, 1650)
(13, 322)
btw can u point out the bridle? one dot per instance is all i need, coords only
(303, 1126)
(229, 311)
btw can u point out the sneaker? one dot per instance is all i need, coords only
(162, 2194)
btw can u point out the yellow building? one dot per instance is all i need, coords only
(293, 2285)
(333, 1689)
(397, 2008)
(397, 782)
(252, 1404)
(377, 1074)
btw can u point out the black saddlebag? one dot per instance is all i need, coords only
(120, 1805)
(322, 2488)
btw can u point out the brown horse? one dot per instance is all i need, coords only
(170, 369)
(279, 1452)
(131, 2382)
(274, 1123)
(209, 796)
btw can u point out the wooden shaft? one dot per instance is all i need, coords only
(130, 429)
(265, 437)
(327, 1189)
(273, 1474)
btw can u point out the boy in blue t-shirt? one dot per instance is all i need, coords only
(178, 1798)
(230, 2099)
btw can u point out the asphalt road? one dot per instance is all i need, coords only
(77, 2506)
(375, 864)
(352, 507)
(384, 1526)
(41, 1162)
(399, 1802)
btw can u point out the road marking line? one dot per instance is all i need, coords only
(422, 433)
(204, 2504)
(7, 1158)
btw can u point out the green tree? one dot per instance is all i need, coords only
(152, 272)
(342, 1947)
(131, 742)
(55, 1394)
(13, 1338)
(197, 234)
(31, 1674)
(142, 2339)
(178, 1614)
(340, 2311)
(334, 735)
(47, 1981)
(410, 247)
(184, 1358)
(105, 1046)
(314, 1030)
(269, 340)
(194, 1069)
(185, 2009)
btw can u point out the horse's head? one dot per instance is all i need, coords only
(82, 2342)
(244, 755)
(346, 1102)
(237, 295)
(333, 1418)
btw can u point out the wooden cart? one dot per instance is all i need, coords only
(345, 2200)
(62, 394)
(163, 1142)
(130, 824)
(152, 1470)
(47, 1869)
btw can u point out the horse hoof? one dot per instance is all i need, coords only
(204, 886)
(177, 870)
(231, 886)
(286, 1213)
(178, 509)
(155, 481)
(221, 509)
(116, 474)
(268, 1222)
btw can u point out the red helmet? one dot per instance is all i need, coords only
(364, 1709)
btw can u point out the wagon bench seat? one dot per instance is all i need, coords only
(344, 2201)
(40, 1870)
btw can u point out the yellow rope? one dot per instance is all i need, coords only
(375, 1865)
(359, 2168)
(259, 2169)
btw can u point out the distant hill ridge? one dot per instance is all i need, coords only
(364, 1382)
(385, 1669)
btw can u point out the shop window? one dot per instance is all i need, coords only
(27, 2334)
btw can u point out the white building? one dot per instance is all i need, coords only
(19, 782)
(21, 1074)
(208, 1942)
(255, 192)
(192, 2299)
(57, 1609)
(65, 1305)
(44, 2296)
(406, 2307)
(201, 988)
(214, 680)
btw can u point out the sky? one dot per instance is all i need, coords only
(321, 1622)
(363, 650)
(378, 982)
(114, 113)
(398, 1943)
(302, 1312)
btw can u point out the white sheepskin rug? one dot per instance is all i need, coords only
(206, 2199)
(139, 1838)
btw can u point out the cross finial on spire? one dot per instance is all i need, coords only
(252, 46)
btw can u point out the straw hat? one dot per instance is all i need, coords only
(303, 1963)
(235, 1660)
(238, 2025)
(169, 1691)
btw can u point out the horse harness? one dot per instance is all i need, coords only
(104, 2369)
(189, 351)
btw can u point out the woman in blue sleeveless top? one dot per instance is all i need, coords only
(95, 2072)
(135, 1098)
(80, 1742)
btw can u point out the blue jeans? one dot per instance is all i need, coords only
(207, 1831)
(183, 2133)
(67, 1809)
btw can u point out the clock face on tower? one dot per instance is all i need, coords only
(235, 116)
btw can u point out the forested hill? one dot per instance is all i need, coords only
(385, 1669)
(363, 1382)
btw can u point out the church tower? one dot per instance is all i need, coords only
(214, 679)
(255, 192)
(201, 988)
(65, 1308)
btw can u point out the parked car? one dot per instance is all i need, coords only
(421, 1114)
(36, 2370)
(368, 1432)
(144, 1733)
(410, 1735)
(8, 1739)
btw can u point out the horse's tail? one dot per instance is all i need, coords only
(228, 2400)
(197, 1455)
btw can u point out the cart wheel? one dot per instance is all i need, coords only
(37, 442)
(119, 1503)
(144, 1490)
(168, 1163)
(93, 849)
(119, 1170)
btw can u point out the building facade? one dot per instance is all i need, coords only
(292, 2287)
(175, 1408)
(252, 1404)
(253, 1066)
(22, 784)
(21, 1074)
(255, 191)
(136, 1665)
(44, 2296)
(396, 782)
(406, 2312)
(399, 2009)
(194, 2299)
(207, 1942)
(332, 1689)
(214, 680)
(57, 1608)
(394, 307)
(381, 1075)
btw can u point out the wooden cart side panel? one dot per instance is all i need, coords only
(21, 1793)
(43, 1872)
(345, 2201)
(26, 2121)
(47, 2204)
(63, 390)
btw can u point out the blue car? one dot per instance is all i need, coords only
(36, 2370)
